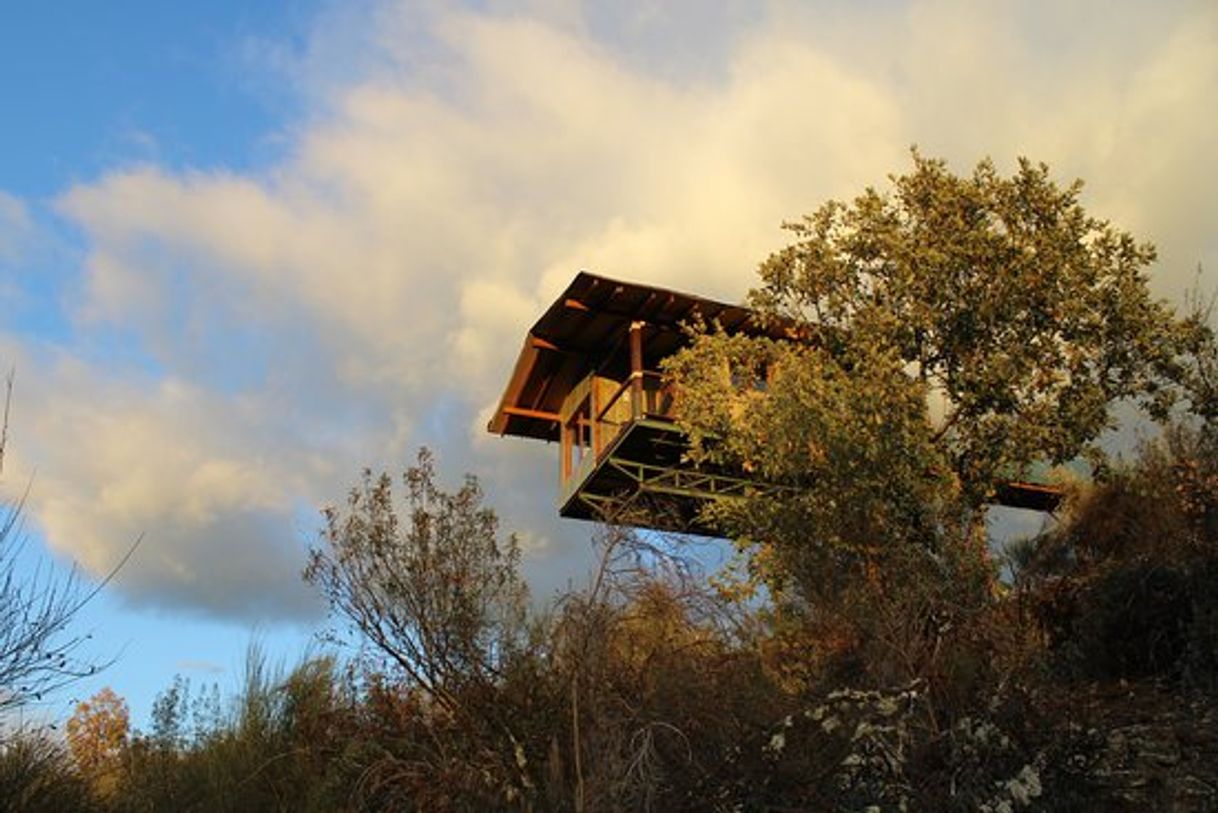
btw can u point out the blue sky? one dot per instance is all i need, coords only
(107, 84)
(249, 248)
(90, 87)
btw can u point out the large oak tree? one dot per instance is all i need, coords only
(953, 331)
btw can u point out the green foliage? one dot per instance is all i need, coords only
(852, 445)
(182, 716)
(949, 333)
(999, 299)
(1198, 367)
(1028, 315)
(437, 594)
(283, 745)
(648, 691)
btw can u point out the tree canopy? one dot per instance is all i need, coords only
(956, 330)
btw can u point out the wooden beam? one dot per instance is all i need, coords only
(538, 343)
(540, 397)
(521, 412)
(641, 310)
(1034, 496)
(594, 411)
(636, 369)
(630, 315)
(736, 323)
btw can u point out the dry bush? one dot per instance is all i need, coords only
(36, 775)
(1124, 588)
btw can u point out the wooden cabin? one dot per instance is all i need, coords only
(587, 378)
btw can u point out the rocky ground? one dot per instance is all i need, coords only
(1151, 747)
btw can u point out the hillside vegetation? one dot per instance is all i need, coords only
(867, 649)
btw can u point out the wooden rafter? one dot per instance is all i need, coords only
(571, 303)
(523, 412)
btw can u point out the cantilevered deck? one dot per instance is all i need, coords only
(586, 378)
(630, 466)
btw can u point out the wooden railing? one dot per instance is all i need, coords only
(655, 400)
(657, 397)
(611, 415)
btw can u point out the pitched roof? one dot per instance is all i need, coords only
(583, 328)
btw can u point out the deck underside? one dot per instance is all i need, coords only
(642, 478)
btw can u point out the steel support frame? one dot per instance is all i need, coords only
(681, 482)
(650, 479)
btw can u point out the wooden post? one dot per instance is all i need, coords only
(564, 454)
(636, 370)
(594, 404)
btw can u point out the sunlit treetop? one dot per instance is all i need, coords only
(959, 330)
(1024, 317)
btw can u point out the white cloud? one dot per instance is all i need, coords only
(370, 291)
(196, 665)
(15, 227)
(207, 480)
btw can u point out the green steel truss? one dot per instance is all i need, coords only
(667, 496)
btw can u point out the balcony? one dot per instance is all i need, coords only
(622, 455)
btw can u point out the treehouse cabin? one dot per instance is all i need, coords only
(587, 377)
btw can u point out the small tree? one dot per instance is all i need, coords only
(436, 593)
(97, 733)
(433, 589)
(38, 652)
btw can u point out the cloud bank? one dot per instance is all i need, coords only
(367, 293)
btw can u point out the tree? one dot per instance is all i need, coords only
(38, 653)
(953, 331)
(437, 594)
(435, 591)
(1198, 373)
(97, 734)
